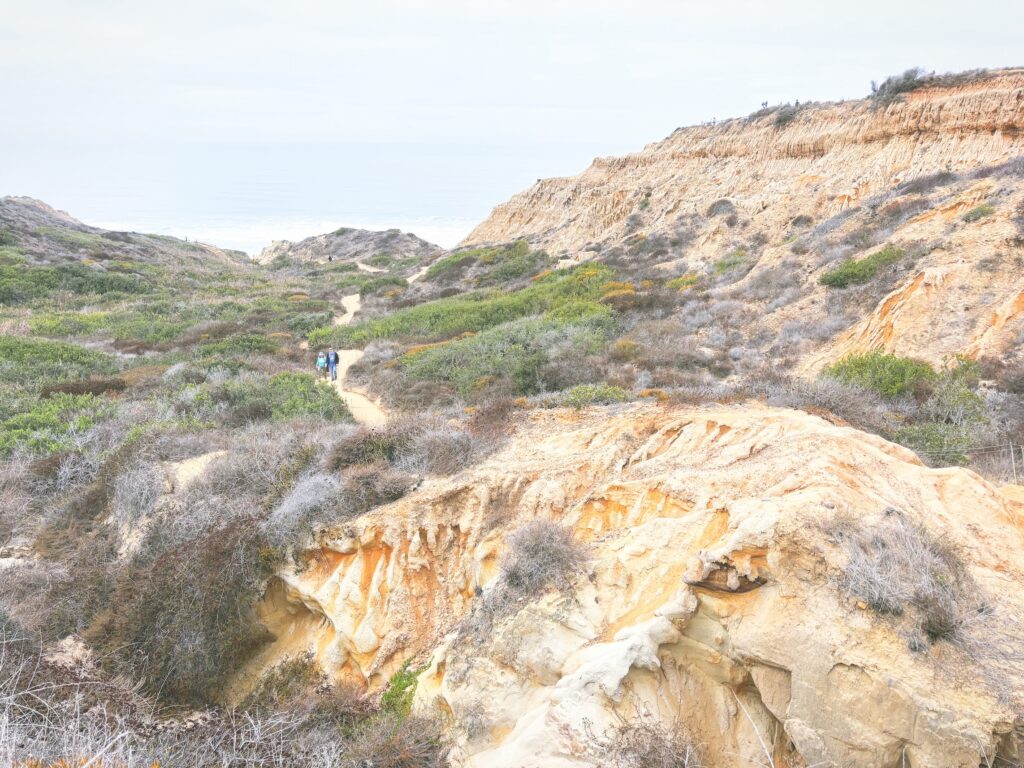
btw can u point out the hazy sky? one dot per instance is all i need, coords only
(240, 122)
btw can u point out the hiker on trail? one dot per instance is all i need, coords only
(332, 363)
(321, 364)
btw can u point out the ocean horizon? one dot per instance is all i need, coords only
(246, 196)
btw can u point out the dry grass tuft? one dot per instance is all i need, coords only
(898, 567)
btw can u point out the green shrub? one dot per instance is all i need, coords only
(305, 323)
(579, 310)
(512, 263)
(73, 237)
(281, 397)
(445, 318)
(732, 260)
(30, 361)
(10, 255)
(124, 326)
(20, 285)
(7, 238)
(889, 375)
(397, 699)
(683, 283)
(515, 353)
(377, 284)
(938, 444)
(451, 264)
(240, 346)
(67, 324)
(44, 426)
(859, 271)
(979, 212)
(594, 394)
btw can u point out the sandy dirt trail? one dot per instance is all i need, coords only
(364, 410)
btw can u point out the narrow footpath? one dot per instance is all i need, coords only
(363, 409)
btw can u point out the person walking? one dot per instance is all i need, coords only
(321, 364)
(332, 363)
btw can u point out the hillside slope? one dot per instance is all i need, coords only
(48, 236)
(779, 199)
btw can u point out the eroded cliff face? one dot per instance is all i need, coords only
(712, 599)
(965, 292)
(827, 159)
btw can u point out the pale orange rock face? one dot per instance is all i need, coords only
(829, 159)
(712, 597)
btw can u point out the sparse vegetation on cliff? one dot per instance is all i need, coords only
(897, 567)
(894, 87)
(859, 271)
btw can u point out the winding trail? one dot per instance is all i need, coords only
(363, 409)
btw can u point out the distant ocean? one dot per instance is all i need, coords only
(245, 196)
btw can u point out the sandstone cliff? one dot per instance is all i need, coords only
(828, 158)
(713, 601)
(937, 174)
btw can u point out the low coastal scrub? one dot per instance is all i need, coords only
(979, 212)
(21, 285)
(31, 362)
(594, 394)
(519, 358)
(888, 375)
(47, 425)
(474, 312)
(498, 265)
(250, 397)
(943, 416)
(859, 271)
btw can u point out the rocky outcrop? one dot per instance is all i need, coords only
(354, 245)
(712, 601)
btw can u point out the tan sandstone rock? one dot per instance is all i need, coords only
(713, 597)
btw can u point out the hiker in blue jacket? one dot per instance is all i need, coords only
(321, 365)
(332, 363)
